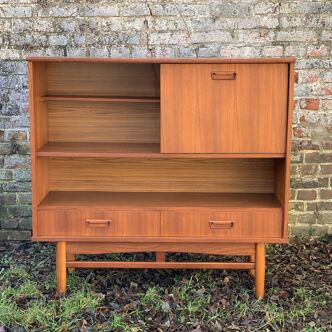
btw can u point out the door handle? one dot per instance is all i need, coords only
(216, 224)
(223, 75)
(98, 222)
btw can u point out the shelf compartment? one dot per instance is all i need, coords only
(102, 122)
(160, 200)
(137, 150)
(161, 175)
(101, 99)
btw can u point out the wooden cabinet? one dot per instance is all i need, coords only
(160, 155)
(224, 108)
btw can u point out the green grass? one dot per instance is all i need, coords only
(25, 305)
(176, 300)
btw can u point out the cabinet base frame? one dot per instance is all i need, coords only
(66, 254)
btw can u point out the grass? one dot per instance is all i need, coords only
(23, 304)
(120, 300)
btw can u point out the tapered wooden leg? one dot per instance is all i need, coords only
(160, 256)
(252, 260)
(260, 270)
(61, 271)
(71, 257)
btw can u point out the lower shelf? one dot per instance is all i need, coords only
(163, 200)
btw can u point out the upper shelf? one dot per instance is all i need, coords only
(138, 150)
(101, 99)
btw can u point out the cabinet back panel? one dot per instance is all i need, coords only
(161, 175)
(100, 79)
(72, 121)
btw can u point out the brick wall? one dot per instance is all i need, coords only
(179, 28)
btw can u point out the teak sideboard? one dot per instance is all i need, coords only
(160, 155)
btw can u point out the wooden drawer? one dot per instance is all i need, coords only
(240, 225)
(98, 223)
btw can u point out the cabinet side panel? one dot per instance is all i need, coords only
(282, 166)
(38, 136)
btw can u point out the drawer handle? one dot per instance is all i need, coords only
(221, 224)
(98, 223)
(223, 75)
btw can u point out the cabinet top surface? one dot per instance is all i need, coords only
(162, 60)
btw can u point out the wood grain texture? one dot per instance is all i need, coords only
(38, 136)
(140, 240)
(101, 99)
(61, 270)
(159, 265)
(161, 175)
(132, 150)
(105, 80)
(71, 121)
(229, 249)
(142, 200)
(243, 224)
(104, 223)
(245, 115)
(260, 271)
(160, 60)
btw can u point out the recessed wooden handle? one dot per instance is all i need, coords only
(221, 224)
(223, 75)
(98, 223)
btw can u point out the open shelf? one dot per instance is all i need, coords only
(86, 149)
(101, 99)
(160, 200)
(140, 150)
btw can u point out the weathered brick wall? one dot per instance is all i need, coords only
(179, 28)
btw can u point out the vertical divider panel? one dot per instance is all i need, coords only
(39, 135)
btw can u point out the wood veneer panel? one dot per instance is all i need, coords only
(101, 79)
(159, 265)
(160, 175)
(160, 60)
(98, 223)
(38, 136)
(132, 150)
(72, 121)
(101, 99)
(204, 248)
(247, 114)
(228, 224)
(130, 200)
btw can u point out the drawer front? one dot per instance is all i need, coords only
(98, 223)
(232, 225)
(224, 108)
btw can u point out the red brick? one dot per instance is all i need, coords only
(326, 169)
(310, 104)
(327, 91)
(308, 169)
(296, 77)
(308, 145)
(312, 157)
(298, 132)
(309, 77)
(326, 194)
(306, 195)
(317, 52)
